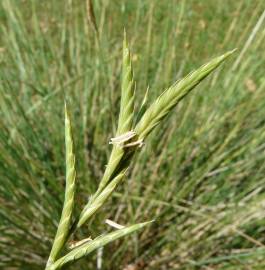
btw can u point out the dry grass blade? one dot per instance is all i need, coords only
(64, 224)
(169, 98)
(91, 15)
(90, 246)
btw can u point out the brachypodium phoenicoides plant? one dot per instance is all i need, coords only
(128, 139)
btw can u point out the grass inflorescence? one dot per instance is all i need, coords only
(123, 149)
(199, 173)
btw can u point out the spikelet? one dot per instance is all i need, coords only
(64, 224)
(169, 98)
(126, 113)
(127, 92)
(88, 247)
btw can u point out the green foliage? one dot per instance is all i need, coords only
(200, 174)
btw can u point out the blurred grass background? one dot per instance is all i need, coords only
(201, 175)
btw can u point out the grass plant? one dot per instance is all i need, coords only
(200, 173)
(120, 157)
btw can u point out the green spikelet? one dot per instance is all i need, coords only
(87, 248)
(126, 112)
(169, 98)
(127, 92)
(64, 224)
(125, 123)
